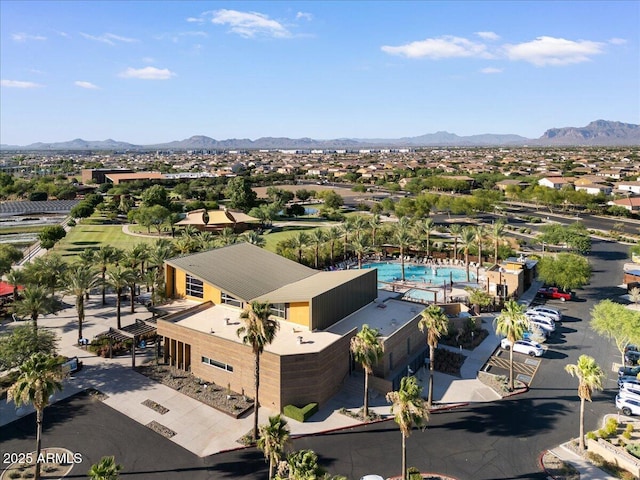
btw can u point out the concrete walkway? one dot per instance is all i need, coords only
(204, 430)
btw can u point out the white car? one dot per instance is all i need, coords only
(541, 313)
(629, 390)
(543, 323)
(527, 347)
(548, 310)
(628, 405)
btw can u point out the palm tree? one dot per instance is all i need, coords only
(409, 409)
(274, 438)
(139, 254)
(497, 233)
(479, 233)
(35, 302)
(511, 323)
(80, 279)
(425, 227)
(88, 256)
(105, 256)
(360, 247)
(317, 237)
(345, 229)
(402, 238)
(105, 469)
(254, 238)
(15, 278)
(590, 377)
(185, 244)
(298, 242)
(374, 225)
(227, 237)
(46, 271)
(359, 225)
(333, 235)
(467, 239)
(258, 331)
(367, 349)
(435, 323)
(454, 231)
(119, 278)
(40, 377)
(303, 465)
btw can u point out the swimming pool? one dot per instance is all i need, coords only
(389, 272)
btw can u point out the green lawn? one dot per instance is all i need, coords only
(94, 236)
(272, 239)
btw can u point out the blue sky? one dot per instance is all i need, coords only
(149, 72)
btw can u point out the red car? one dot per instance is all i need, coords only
(554, 292)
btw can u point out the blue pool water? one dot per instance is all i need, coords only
(388, 272)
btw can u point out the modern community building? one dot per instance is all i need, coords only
(318, 312)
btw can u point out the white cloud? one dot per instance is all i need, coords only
(436, 48)
(24, 37)
(554, 51)
(488, 35)
(148, 73)
(250, 24)
(87, 85)
(195, 20)
(305, 15)
(18, 84)
(617, 41)
(490, 70)
(148, 60)
(108, 38)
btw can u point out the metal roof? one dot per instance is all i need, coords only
(242, 270)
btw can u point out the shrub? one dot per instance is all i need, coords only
(413, 473)
(300, 414)
(634, 449)
(591, 435)
(611, 427)
(595, 458)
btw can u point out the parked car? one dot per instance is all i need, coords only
(629, 389)
(631, 358)
(629, 371)
(536, 335)
(628, 379)
(554, 292)
(553, 316)
(628, 405)
(542, 322)
(545, 309)
(527, 347)
(371, 477)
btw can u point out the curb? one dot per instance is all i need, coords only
(541, 462)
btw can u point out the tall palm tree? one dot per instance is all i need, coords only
(409, 409)
(497, 234)
(105, 469)
(119, 278)
(454, 231)
(345, 228)
(105, 256)
(35, 302)
(258, 331)
(403, 239)
(15, 278)
(467, 238)
(298, 242)
(590, 377)
(317, 237)
(80, 279)
(367, 349)
(161, 250)
(425, 227)
(435, 323)
(88, 256)
(480, 233)
(40, 377)
(46, 271)
(374, 225)
(274, 439)
(511, 323)
(333, 235)
(360, 247)
(359, 225)
(139, 254)
(185, 244)
(204, 241)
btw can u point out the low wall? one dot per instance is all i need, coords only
(616, 455)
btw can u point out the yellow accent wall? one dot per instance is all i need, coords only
(299, 313)
(210, 292)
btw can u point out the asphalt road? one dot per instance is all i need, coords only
(498, 440)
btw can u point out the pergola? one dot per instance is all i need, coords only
(131, 332)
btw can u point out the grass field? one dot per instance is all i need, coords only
(15, 230)
(95, 236)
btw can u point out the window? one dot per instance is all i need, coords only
(215, 363)
(195, 287)
(279, 310)
(229, 300)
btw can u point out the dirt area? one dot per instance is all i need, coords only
(216, 396)
(558, 469)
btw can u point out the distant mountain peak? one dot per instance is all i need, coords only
(598, 132)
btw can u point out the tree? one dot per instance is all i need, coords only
(82, 210)
(302, 465)
(479, 234)
(105, 469)
(331, 199)
(454, 231)
(360, 247)
(367, 349)
(402, 238)
(511, 323)
(590, 377)
(408, 409)
(634, 295)
(274, 438)
(40, 377)
(425, 228)
(119, 278)
(258, 331)
(80, 279)
(332, 236)
(156, 195)
(50, 235)
(497, 235)
(8, 256)
(105, 256)
(565, 270)
(616, 321)
(15, 278)
(479, 298)
(254, 238)
(240, 194)
(317, 237)
(467, 238)
(17, 345)
(35, 302)
(435, 323)
(298, 242)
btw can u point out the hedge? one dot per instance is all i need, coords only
(300, 414)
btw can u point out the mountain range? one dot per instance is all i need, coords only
(597, 133)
